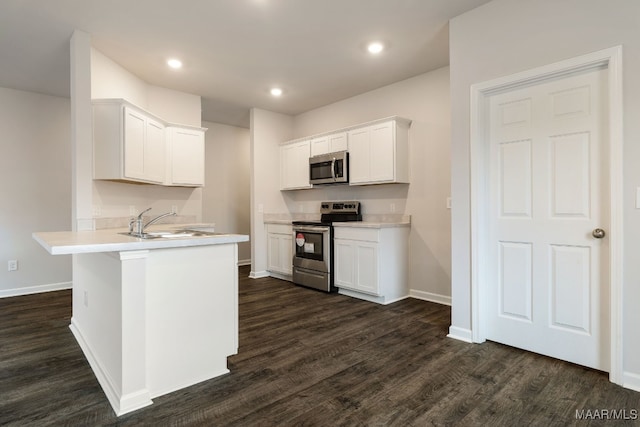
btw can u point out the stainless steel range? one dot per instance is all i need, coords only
(313, 245)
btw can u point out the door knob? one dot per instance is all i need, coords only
(598, 233)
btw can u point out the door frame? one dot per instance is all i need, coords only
(611, 59)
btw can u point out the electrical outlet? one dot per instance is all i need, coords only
(392, 207)
(97, 211)
(12, 265)
(448, 202)
(132, 211)
(174, 209)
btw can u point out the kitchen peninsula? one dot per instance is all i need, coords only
(151, 315)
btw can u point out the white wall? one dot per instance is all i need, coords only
(425, 100)
(114, 199)
(174, 106)
(505, 37)
(268, 129)
(110, 80)
(81, 132)
(36, 188)
(226, 195)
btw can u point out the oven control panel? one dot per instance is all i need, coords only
(340, 207)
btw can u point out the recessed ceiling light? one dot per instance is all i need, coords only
(375, 47)
(276, 91)
(174, 63)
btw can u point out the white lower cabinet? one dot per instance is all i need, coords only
(280, 249)
(372, 263)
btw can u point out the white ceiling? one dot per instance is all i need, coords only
(233, 50)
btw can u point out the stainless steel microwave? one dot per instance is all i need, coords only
(330, 168)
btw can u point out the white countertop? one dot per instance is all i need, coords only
(278, 221)
(371, 224)
(353, 224)
(368, 220)
(109, 240)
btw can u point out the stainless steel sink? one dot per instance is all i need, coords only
(172, 234)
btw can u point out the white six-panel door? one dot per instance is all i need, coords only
(548, 288)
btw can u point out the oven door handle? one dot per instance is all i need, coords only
(310, 229)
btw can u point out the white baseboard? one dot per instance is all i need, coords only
(460, 334)
(370, 298)
(28, 290)
(121, 404)
(428, 296)
(242, 262)
(631, 381)
(286, 277)
(258, 274)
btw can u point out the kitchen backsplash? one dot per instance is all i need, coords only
(123, 222)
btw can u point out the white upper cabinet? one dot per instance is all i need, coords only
(155, 151)
(294, 165)
(329, 143)
(319, 145)
(359, 154)
(379, 153)
(338, 142)
(187, 156)
(130, 144)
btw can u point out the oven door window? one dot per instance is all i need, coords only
(309, 245)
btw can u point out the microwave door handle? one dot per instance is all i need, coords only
(333, 168)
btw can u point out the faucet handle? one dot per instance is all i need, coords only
(143, 212)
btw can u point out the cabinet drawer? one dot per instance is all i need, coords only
(279, 228)
(355, 233)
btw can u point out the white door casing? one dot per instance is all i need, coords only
(548, 189)
(481, 93)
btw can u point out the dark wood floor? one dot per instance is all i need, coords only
(307, 358)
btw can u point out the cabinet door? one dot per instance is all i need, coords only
(329, 143)
(338, 142)
(187, 157)
(286, 254)
(359, 155)
(144, 147)
(294, 165)
(345, 263)
(382, 152)
(273, 252)
(320, 146)
(279, 253)
(367, 267)
(154, 152)
(134, 131)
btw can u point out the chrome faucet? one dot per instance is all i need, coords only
(137, 226)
